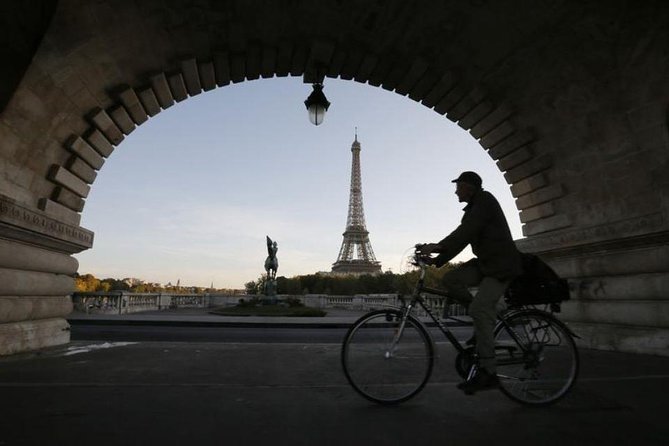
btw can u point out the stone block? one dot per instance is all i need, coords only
(122, 119)
(298, 61)
(30, 283)
(475, 115)
(632, 339)
(451, 98)
(237, 67)
(497, 135)
(411, 77)
(133, 106)
(529, 168)
(336, 63)
(426, 82)
(81, 169)
(222, 68)
(619, 261)
(445, 83)
(514, 141)
(25, 336)
(82, 149)
(489, 122)
(393, 77)
(59, 212)
(321, 52)
(466, 104)
(630, 313)
(21, 256)
(648, 115)
(253, 57)
(379, 73)
(366, 68)
(161, 88)
(540, 196)
(207, 75)
(268, 62)
(529, 184)
(177, 86)
(537, 212)
(104, 123)
(642, 287)
(559, 221)
(26, 308)
(514, 158)
(351, 64)
(191, 76)
(149, 101)
(283, 58)
(67, 198)
(99, 142)
(65, 178)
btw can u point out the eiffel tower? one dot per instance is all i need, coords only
(356, 255)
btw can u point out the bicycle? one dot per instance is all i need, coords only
(388, 355)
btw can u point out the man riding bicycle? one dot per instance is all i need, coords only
(485, 228)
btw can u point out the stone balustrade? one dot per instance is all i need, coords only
(123, 302)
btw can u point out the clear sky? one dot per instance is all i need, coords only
(192, 193)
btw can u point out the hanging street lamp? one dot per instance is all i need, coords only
(317, 105)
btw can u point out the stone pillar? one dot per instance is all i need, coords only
(619, 277)
(36, 277)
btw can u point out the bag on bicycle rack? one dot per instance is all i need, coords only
(538, 284)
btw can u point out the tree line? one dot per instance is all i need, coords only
(90, 283)
(347, 285)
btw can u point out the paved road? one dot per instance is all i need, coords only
(213, 393)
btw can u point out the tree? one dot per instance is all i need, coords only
(86, 283)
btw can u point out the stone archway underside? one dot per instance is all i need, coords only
(569, 99)
(470, 107)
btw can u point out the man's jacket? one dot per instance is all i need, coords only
(485, 228)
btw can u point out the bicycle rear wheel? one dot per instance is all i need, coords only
(383, 367)
(537, 359)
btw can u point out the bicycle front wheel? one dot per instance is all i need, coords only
(383, 364)
(537, 359)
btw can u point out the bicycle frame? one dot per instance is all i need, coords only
(416, 298)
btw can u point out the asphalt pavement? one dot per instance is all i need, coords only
(294, 393)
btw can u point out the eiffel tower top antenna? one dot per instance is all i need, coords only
(356, 255)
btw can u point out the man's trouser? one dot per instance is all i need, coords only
(482, 308)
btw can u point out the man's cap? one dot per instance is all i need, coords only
(469, 177)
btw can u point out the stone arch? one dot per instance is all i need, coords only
(569, 99)
(491, 122)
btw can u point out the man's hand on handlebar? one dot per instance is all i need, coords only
(423, 252)
(425, 249)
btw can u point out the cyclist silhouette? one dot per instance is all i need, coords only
(485, 228)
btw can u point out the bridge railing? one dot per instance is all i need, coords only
(124, 302)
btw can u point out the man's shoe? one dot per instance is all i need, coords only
(482, 380)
